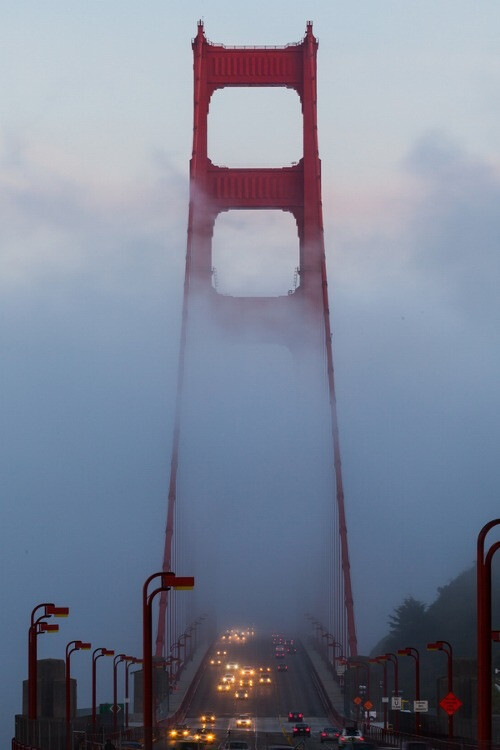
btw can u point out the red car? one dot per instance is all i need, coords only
(301, 729)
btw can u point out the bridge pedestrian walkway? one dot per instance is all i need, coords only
(174, 704)
(326, 681)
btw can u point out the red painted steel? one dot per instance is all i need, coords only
(296, 189)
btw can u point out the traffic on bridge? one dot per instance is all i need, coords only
(242, 687)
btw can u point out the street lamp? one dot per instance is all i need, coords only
(96, 654)
(118, 658)
(129, 661)
(70, 647)
(448, 650)
(37, 626)
(410, 651)
(484, 635)
(334, 644)
(394, 659)
(364, 665)
(168, 580)
(383, 661)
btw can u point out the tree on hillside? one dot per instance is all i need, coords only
(408, 620)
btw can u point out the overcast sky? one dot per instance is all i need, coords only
(95, 139)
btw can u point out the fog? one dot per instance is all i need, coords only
(95, 142)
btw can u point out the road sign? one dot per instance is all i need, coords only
(357, 700)
(396, 703)
(422, 706)
(109, 708)
(368, 705)
(450, 703)
(385, 699)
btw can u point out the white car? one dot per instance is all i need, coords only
(244, 721)
(350, 735)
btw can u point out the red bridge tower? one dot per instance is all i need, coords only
(296, 189)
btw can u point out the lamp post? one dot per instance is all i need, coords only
(448, 650)
(484, 635)
(118, 658)
(96, 654)
(130, 660)
(70, 647)
(383, 661)
(361, 665)
(333, 644)
(413, 652)
(167, 581)
(394, 659)
(37, 626)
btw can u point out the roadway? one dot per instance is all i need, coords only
(267, 705)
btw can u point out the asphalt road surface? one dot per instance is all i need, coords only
(267, 705)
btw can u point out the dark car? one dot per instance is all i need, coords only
(295, 716)
(301, 728)
(282, 667)
(329, 734)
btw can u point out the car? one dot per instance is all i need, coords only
(232, 666)
(247, 671)
(350, 735)
(291, 649)
(265, 679)
(216, 661)
(246, 682)
(295, 716)
(223, 687)
(301, 729)
(179, 730)
(261, 670)
(207, 717)
(228, 677)
(282, 668)
(203, 734)
(329, 734)
(244, 721)
(241, 693)
(280, 652)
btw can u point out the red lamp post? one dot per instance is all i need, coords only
(37, 626)
(413, 652)
(130, 660)
(96, 654)
(118, 658)
(361, 665)
(70, 647)
(484, 636)
(382, 660)
(394, 659)
(448, 650)
(333, 644)
(168, 580)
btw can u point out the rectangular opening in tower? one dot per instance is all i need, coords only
(255, 127)
(255, 253)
